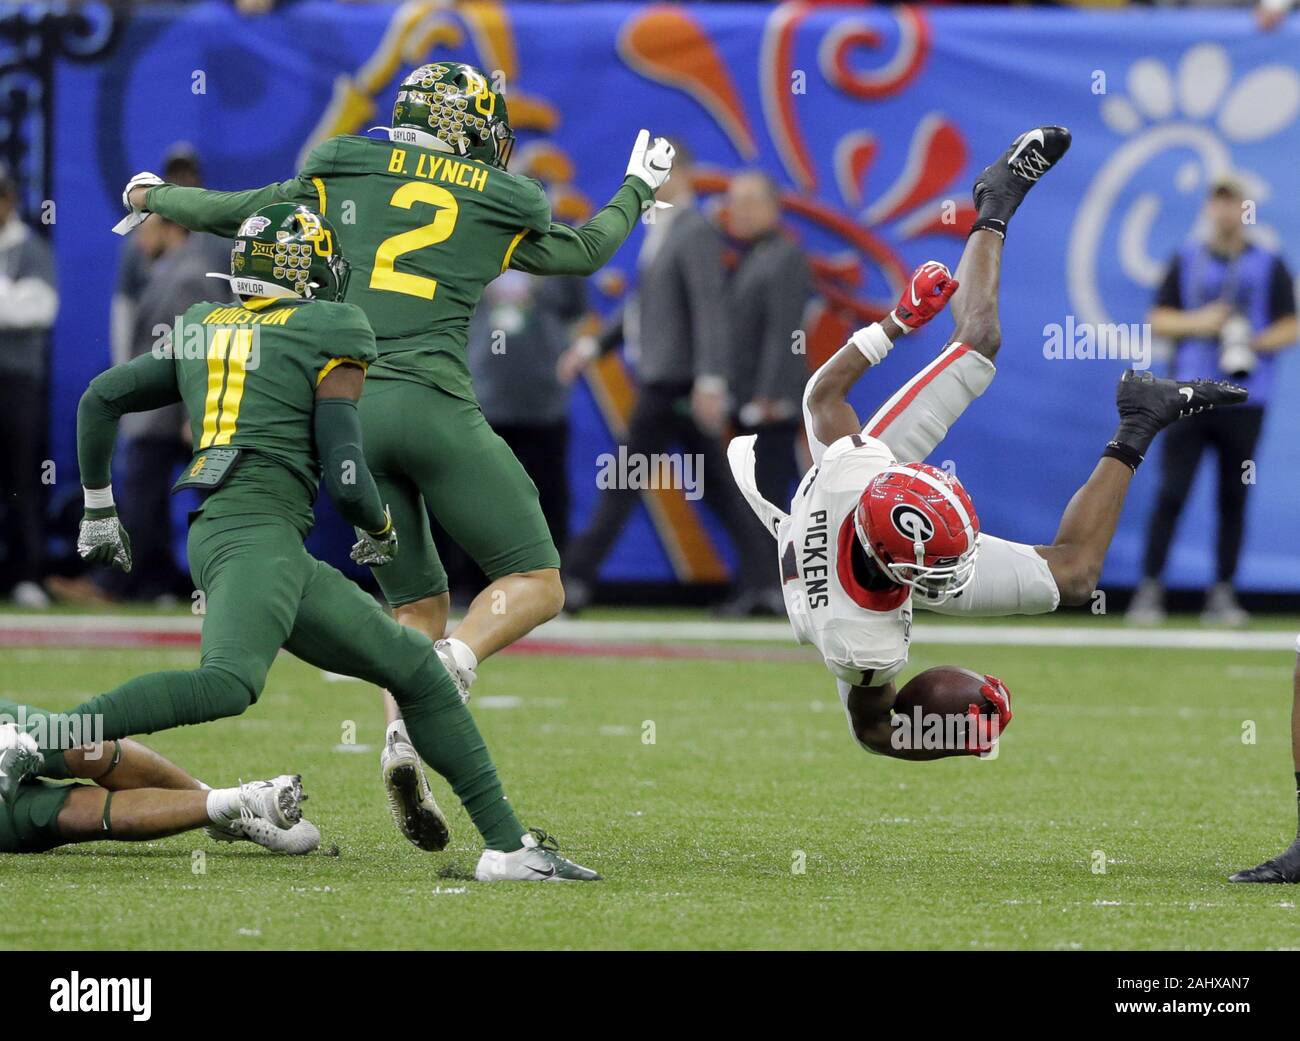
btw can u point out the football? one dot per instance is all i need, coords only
(944, 690)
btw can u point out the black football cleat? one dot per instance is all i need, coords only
(1148, 404)
(1001, 188)
(1283, 868)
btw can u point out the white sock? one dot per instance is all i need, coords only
(461, 654)
(223, 805)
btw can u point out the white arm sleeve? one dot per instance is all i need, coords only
(1010, 578)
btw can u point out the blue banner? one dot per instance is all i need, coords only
(874, 121)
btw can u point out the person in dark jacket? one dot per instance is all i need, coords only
(678, 338)
(766, 296)
(29, 303)
(1229, 306)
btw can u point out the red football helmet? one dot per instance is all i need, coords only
(919, 525)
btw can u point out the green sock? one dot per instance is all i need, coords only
(445, 735)
(147, 704)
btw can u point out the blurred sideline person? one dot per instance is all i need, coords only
(767, 293)
(136, 795)
(29, 303)
(1229, 306)
(678, 338)
(1285, 867)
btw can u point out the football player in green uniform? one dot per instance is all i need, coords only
(136, 795)
(429, 215)
(271, 386)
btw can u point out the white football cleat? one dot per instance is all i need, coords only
(463, 678)
(415, 811)
(20, 758)
(303, 837)
(270, 814)
(538, 861)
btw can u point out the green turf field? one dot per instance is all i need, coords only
(1134, 757)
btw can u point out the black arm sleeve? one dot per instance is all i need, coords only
(1281, 292)
(1170, 293)
(611, 333)
(347, 477)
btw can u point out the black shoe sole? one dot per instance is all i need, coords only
(427, 830)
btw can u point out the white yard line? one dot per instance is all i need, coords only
(577, 629)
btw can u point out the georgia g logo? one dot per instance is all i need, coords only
(912, 523)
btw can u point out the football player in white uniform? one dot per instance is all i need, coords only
(872, 529)
(1285, 867)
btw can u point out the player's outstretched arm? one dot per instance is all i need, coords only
(827, 411)
(562, 250)
(145, 383)
(219, 213)
(348, 479)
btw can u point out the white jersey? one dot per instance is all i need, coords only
(862, 634)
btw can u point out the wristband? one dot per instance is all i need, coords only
(98, 498)
(872, 343)
(1126, 454)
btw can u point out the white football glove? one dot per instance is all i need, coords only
(376, 549)
(102, 540)
(652, 162)
(134, 218)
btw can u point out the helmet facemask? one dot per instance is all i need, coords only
(932, 583)
(925, 541)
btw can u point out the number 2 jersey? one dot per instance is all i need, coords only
(424, 232)
(862, 634)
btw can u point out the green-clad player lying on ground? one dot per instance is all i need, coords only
(271, 386)
(429, 216)
(136, 795)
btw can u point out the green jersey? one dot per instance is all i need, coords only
(424, 232)
(248, 376)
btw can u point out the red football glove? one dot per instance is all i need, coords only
(982, 735)
(930, 289)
